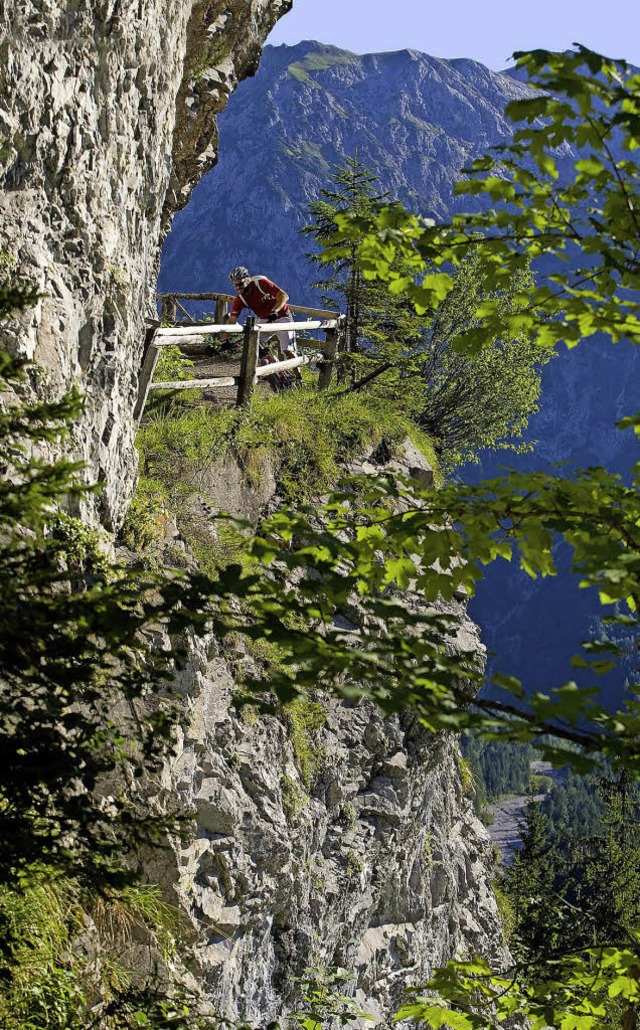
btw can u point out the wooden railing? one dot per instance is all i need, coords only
(178, 332)
(170, 305)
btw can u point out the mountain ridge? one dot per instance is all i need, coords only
(417, 119)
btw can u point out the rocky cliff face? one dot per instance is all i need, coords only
(327, 837)
(107, 120)
(375, 864)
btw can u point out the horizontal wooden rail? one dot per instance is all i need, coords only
(197, 384)
(278, 327)
(261, 371)
(282, 366)
(192, 339)
(262, 327)
(183, 341)
(250, 370)
(318, 312)
(203, 330)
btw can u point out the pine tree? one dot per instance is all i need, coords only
(530, 885)
(612, 868)
(353, 189)
(464, 403)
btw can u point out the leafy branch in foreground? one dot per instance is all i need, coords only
(86, 719)
(593, 988)
(366, 604)
(566, 196)
(462, 528)
(565, 190)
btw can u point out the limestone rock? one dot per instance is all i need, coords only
(107, 119)
(378, 866)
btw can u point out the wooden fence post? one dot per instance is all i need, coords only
(221, 310)
(249, 363)
(149, 362)
(330, 351)
(169, 313)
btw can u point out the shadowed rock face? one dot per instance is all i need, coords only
(107, 120)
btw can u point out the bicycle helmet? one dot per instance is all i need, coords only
(239, 274)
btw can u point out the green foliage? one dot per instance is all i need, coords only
(53, 933)
(294, 798)
(529, 884)
(481, 401)
(574, 810)
(466, 775)
(353, 189)
(608, 869)
(305, 435)
(41, 987)
(498, 768)
(506, 912)
(571, 929)
(581, 992)
(66, 616)
(312, 435)
(354, 865)
(580, 945)
(463, 402)
(424, 443)
(75, 721)
(178, 441)
(172, 366)
(348, 815)
(589, 102)
(147, 515)
(305, 719)
(405, 536)
(71, 622)
(324, 1003)
(401, 537)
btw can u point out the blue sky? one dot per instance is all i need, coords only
(486, 30)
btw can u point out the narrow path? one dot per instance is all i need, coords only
(210, 366)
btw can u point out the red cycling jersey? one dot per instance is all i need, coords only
(259, 296)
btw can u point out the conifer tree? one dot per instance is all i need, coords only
(464, 403)
(612, 868)
(354, 189)
(529, 884)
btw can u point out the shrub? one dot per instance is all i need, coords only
(305, 719)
